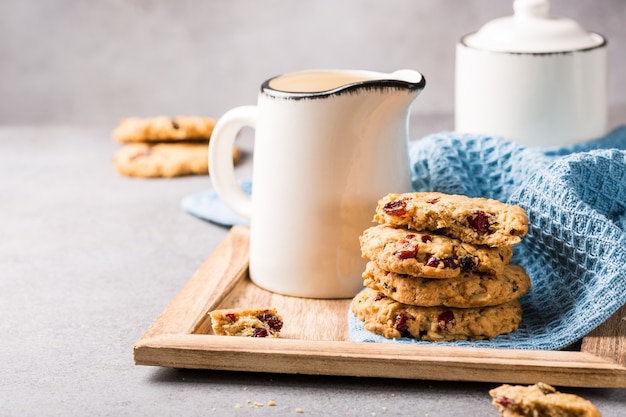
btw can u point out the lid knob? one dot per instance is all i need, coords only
(531, 8)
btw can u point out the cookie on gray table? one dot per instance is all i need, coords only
(540, 400)
(164, 129)
(164, 160)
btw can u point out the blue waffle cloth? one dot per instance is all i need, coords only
(208, 206)
(575, 249)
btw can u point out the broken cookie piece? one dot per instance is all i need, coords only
(264, 322)
(540, 400)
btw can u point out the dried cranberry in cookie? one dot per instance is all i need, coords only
(395, 208)
(270, 317)
(479, 221)
(401, 322)
(407, 247)
(446, 321)
(435, 262)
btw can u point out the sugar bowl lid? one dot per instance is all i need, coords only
(531, 29)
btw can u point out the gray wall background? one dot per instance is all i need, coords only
(93, 62)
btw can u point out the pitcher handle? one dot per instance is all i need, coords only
(221, 165)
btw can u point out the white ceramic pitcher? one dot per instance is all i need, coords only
(328, 145)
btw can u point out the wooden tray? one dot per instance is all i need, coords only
(314, 339)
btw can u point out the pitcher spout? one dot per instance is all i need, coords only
(411, 79)
(409, 82)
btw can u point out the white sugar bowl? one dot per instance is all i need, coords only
(532, 78)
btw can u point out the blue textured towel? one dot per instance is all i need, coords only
(575, 250)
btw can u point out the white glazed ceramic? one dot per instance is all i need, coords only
(532, 78)
(328, 146)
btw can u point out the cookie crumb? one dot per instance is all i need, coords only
(299, 410)
(238, 405)
(271, 403)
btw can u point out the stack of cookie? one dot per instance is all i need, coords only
(164, 146)
(439, 268)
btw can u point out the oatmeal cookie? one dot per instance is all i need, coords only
(469, 290)
(429, 255)
(264, 322)
(164, 159)
(164, 129)
(392, 319)
(540, 400)
(478, 221)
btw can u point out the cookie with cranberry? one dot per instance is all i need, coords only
(540, 400)
(164, 159)
(479, 221)
(469, 290)
(164, 129)
(264, 322)
(389, 318)
(429, 255)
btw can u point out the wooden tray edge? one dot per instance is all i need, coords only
(385, 361)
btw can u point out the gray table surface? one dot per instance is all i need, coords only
(88, 260)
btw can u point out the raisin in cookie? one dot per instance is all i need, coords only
(469, 290)
(265, 322)
(540, 400)
(429, 255)
(389, 318)
(164, 159)
(163, 128)
(478, 221)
